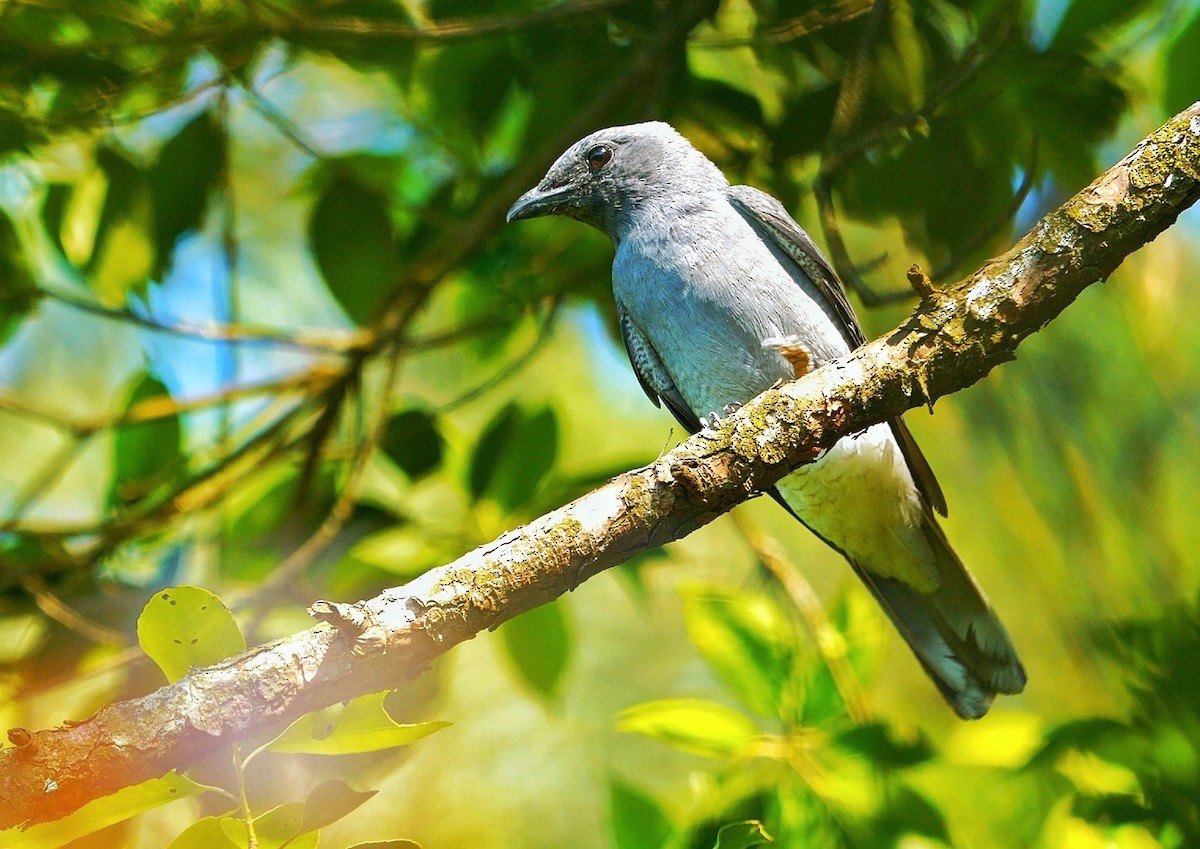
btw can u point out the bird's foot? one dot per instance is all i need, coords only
(793, 350)
(713, 419)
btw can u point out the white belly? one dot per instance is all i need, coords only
(861, 498)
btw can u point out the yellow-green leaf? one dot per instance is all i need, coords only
(101, 813)
(207, 833)
(538, 643)
(284, 825)
(692, 725)
(186, 626)
(361, 725)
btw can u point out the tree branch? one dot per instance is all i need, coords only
(952, 339)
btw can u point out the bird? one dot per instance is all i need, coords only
(721, 295)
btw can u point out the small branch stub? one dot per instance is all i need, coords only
(921, 284)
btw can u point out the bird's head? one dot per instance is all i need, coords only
(606, 178)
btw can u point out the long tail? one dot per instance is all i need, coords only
(952, 630)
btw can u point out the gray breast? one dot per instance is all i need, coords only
(706, 289)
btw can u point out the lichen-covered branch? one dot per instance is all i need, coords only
(951, 340)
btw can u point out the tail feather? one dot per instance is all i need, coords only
(952, 630)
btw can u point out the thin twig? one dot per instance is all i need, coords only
(54, 607)
(511, 368)
(344, 342)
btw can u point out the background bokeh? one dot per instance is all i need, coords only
(263, 330)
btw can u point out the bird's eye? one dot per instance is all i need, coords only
(598, 156)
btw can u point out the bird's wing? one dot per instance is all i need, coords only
(768, 214)
(652, 374)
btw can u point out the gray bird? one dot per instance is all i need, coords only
(720, 295)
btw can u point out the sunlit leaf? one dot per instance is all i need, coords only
(206, 833)
(538, 643)
(745, 639)
(406, 550)
(1008, 738)
(692, 725)
(742, 835)
(636, 820)
(387, 844)
(103, 812)
(1094, 776)
(279, 827)
(187, 626)
(360, 725)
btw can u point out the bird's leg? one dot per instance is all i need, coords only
(792, 350)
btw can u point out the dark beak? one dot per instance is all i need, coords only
(538, 201)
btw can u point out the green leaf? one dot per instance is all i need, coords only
(280, 826)
(187, 626)
(145, 453)
(329, 801)
(413, 442)
(17, 293)
(113, 241)
(742, 835)
(637, 821)
(354, 243)
(406, 550)
(878, 743)
(1086, 22)
(206, 833)
(1181, 84)
(102, 813)
(468, 85)
(691, 725)
(490, 448)
(745, 639)
(909, 812)
(513, 456)
(538, 643)
(189, 169)
(1090, 734)
(387, 844)
(361, 725)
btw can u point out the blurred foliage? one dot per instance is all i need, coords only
(262, 331)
